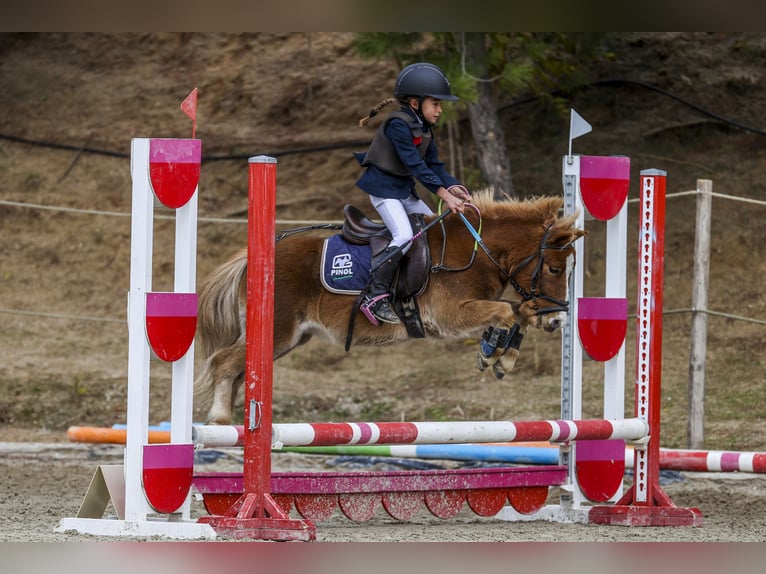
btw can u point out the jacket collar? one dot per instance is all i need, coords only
(409, 111)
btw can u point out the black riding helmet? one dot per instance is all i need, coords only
(420, 80)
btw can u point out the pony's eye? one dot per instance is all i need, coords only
(554, 270)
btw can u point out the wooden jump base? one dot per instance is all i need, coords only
(402, 494)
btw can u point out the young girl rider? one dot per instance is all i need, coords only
(402, 152)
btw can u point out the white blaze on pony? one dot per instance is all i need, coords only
(525, 250)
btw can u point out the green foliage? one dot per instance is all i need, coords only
(543, 64)
(384, 45)
(410, 47)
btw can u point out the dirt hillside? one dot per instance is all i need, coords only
(65, 273)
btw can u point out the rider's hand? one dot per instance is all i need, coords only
(460, 191)
(453, 203)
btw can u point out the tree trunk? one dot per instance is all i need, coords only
(486, 129)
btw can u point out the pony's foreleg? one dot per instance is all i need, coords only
(506, 360)
(500, 345)
(499, 348)
(525, 315)
(504, 328)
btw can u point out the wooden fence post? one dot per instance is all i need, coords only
(696, 416)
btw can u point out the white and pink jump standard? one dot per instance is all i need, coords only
(151, 491)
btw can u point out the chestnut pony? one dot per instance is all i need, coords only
(521, 250)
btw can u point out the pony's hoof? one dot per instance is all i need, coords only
(505, 364)
(483, 364)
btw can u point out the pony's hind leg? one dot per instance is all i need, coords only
(228, 372)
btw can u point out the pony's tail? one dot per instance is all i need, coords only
(374, 111)
(220, 322)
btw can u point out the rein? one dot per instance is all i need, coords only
(440, 266)
(289, 232)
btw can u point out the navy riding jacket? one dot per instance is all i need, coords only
(428, 170)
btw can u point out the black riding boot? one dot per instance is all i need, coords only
(375, 304)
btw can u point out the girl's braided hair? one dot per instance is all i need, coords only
(374, 111)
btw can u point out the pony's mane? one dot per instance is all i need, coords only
(545, 210)
(542, 208)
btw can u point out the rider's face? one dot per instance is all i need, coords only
(431, 109)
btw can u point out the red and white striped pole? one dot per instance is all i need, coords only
(256, 515)
(646, 504)
(454, 432)
(712, 461)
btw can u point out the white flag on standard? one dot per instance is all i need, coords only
(577, 127)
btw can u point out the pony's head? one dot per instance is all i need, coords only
(538, 264)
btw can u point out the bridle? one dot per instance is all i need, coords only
(537, 258)
(533, 294)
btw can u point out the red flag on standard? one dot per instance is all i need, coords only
(189, 107)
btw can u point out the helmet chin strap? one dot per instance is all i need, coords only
(419, 108)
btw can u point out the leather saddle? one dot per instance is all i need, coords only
(412, 278)
(416, 263)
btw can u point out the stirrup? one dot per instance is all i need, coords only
(377, 309)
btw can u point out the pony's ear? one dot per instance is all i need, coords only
(562, 238)
(564, 232)
(577, 234)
